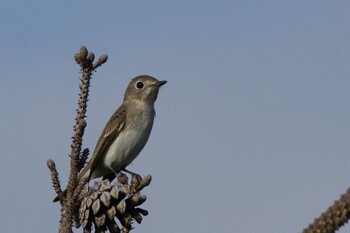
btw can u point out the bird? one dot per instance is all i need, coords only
(127, 131)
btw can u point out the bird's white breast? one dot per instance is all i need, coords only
(130, 140)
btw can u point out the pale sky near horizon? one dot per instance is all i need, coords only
(252, 130)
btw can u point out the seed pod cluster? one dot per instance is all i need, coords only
(103, 203)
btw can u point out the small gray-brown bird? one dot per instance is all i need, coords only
(126, 132)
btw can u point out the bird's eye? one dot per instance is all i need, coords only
(139, 85)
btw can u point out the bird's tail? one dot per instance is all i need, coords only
(56, 199)
(83, 174)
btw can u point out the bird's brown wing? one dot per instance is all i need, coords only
(109, 134)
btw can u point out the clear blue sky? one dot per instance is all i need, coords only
(252, 130)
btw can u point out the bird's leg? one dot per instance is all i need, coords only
(138, 177)
(121, 177)
(114, 172)
(109, 177)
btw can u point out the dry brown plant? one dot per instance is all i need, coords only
(104, 202)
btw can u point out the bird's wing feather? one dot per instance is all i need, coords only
(109, 134)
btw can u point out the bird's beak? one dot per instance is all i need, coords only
(158, 84)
